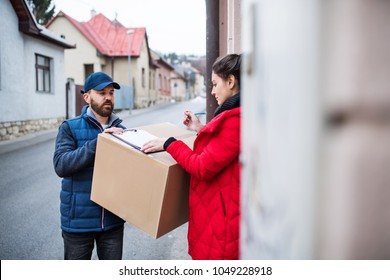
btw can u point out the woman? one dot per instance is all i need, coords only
(214, 204)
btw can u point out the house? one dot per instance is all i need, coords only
(178, 86)
(108, 46)
(163, 76)
(193, 77)
(32, 73)
(197, 82)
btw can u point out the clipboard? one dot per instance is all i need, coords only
(135, 137)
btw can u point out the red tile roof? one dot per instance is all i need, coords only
(109, 38)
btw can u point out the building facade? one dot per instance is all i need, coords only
(108, 46)
(32, 77)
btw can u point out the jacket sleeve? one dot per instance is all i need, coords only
(221, 150)
(68, 158)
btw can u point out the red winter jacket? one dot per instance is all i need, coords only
(214, 204)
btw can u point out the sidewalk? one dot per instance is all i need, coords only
(49, 134)
(27, 140)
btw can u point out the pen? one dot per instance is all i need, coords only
(199, 113)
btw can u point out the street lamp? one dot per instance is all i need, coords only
(129, 32)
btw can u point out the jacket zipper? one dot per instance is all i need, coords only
(102, 218)
(101, 130)
(97, 124)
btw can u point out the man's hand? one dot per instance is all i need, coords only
(116, 130)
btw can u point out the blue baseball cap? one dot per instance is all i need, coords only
(98, 81)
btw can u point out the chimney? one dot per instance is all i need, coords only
(93, 13)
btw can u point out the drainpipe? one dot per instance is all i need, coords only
(212, 52)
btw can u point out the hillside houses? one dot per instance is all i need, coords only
(42, 68)
(122, 52)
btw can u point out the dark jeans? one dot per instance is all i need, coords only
(79, 246)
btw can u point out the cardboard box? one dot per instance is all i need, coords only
(149, 191)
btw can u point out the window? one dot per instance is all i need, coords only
(88, 70)
(143, 77)
(160, 84)
(42, 70)
(150, 79)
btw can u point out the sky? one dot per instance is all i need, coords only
(172, 25)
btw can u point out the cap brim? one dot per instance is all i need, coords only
(104, 85)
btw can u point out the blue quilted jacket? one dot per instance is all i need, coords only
(73, 160)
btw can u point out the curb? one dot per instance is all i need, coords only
(27, 140)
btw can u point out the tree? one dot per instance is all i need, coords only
(42, 10)
(173, 57)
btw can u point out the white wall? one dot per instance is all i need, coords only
(11, 63)
(316, 134)
(19, 99)
(279, 128)
(44, 105)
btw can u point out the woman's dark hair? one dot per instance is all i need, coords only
(228, 65)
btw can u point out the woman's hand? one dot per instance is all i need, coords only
(154, 145)
(192, 121)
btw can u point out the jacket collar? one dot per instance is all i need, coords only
(230, 103)
(88, 111)
(217, 119)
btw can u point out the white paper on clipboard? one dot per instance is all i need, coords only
(135, 137)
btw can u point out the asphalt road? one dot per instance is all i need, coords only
(29, 197)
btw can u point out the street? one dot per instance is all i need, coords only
(29, 198)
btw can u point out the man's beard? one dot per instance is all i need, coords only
(101, 110)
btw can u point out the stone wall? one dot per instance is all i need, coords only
(14, 129)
